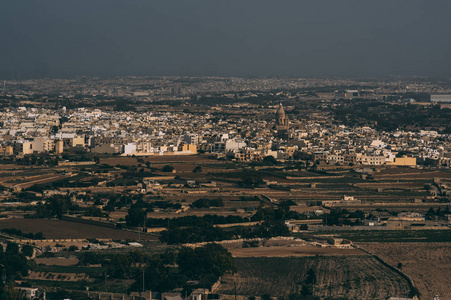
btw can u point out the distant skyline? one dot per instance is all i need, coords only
(248, 38)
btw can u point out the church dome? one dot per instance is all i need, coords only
(280, 112)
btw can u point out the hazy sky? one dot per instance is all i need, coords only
(340, 38)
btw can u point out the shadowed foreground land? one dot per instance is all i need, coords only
(353, 277)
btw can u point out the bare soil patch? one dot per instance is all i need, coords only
(288, 249)
(57, 261)
(58, 229)
(409, 173)
(125, 161)
(350, 277)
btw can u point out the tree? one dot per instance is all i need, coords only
(168, 169)
(136, 216)
(206, 203)
(73, 248)
(211, 259)
(266, 297)
(270, 160)
(93, 211)
(311, 277)
(307, 290)
(27, 250)
(13, 262)
(9, 292)
(270, 229)
(251, 180)
(308, 283)
(430, 215)
(12, 248)
(413, 292)
(193, 234)
(197, 169)
(55, 206)
(39, 236)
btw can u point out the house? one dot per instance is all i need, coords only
(29, 293)
(338, 241)
(199, 294)
(148, 295)
(171, 296)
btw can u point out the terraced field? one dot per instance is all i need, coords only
(428, 264)
(353, 277)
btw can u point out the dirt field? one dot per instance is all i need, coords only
(351, 277)
(428, 264)
(125, 161)
(403, 173)
(36, 180)
(57, 261)
(58, 229)
(287, 249)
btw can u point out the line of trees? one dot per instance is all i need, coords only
(207, 203)
(19, 233)
(14, 265)
(208, 233)
(262, 214)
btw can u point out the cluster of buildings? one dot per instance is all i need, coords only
(365, 146)
(156, 88)
(26, 131)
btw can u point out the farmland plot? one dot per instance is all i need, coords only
(353, 277)
(428, 264)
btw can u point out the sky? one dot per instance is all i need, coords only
(248, 38)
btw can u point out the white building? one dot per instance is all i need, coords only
(441, 98)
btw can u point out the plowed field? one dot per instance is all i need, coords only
(428, 264)
(351, 277)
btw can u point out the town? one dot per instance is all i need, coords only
(116, 188)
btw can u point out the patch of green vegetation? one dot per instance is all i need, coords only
(19, 233)
(122, 182)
